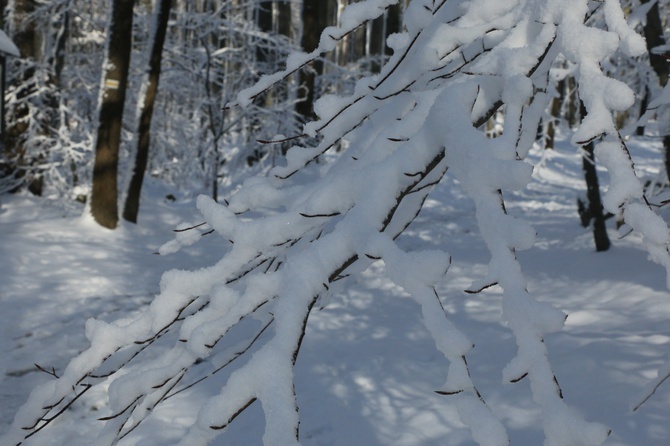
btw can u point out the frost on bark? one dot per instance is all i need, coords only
(290, 238)
(104, 207)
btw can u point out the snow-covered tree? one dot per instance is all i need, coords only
(53, 92)
(290, 238)
(214, 49)
(32, 95)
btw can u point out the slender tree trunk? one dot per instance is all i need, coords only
(595, 207)
(314, 13)
(377, 41)
(381, 28)
(653, 33)
(572, 102)
(593, 211)
(132, 205)
(104, 192)
(555, 110)
(27, 38)
(60, 49)
(283, 17)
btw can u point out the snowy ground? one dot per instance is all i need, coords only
(368, 368)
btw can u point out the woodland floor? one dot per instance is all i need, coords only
(368, 368)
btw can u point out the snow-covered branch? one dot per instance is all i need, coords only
(290, 237)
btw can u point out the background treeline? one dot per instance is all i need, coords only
(211, 49)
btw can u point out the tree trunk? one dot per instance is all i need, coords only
(27, 38)
(132, 205)
(653, 33)
(381, 28)
(283, 17)
(264, 23)
(314, 13)
(595, 207)
(60, 49)
(555, 114)
(104, 205)
(593, 211)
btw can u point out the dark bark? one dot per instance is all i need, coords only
(268, 53)
(314, 19)
(104, 205)
(26, 35)
(377, 42)
(284, 18)
(592, 212)
(393, 22)
(382, 27)
(653, 33)
(264, 22)
(132, 205)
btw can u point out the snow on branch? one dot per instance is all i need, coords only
(290, 236)
(602, 96)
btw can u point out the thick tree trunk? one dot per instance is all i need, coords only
(132, 205)
(115, 78)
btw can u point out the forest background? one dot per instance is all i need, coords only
(202, 53)
(72, 136)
